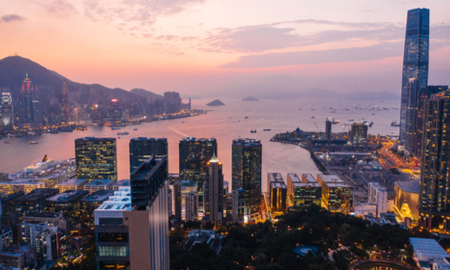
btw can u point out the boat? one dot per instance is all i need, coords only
(373, 113)
(14, 135)
(253, 131)
(115, 128)
(123, 133)
(299, 109)
(135, 129)
(246, 117)
(267, 129)
(53, 131)
(335, 121)
(6, 142)
(33, 142)
(312, 117)
(370, 124)
(333, 111)
(351, 120)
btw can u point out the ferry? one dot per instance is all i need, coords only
(33, 142)
(253, 131)
(267, 129)
(123, 133)
(115, 128)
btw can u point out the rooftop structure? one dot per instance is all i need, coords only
(68, 196)
(99, 184)
(426, 250)
(98, 196)
(71, 184)
(121, 201)
(122, 183)
(36, 195)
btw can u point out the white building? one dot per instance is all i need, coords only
(378, 196)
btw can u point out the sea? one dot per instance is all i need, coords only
(233, 120)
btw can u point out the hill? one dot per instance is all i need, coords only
(145, 93)
(215, 102)
(14, 68)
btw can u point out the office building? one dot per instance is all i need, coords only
(246, 175)
(277, 192)
(377, 195)
(71, 184)
(142, 148)
(68, 203)
(52, 219)
(418, 120)
(182, 191)
(7, 111)
(303, 192)
(27, 186)
(415, 58)
(43, 238)
(96, 158)
(6, 238)
(434, 174)
(33, 201)
(194, 154)
(99, 184)
(411, 104)
(213, 194)
(132, 226)
(358, 133)
(335, 193)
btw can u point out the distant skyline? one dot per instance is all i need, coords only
(224, 48)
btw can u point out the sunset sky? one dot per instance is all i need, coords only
(224, 47)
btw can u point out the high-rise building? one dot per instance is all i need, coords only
(194, 154)
(246, 175)
(185, 197)
(43, 238)
(7, 110)
(411, 106)
(213, 193)
(328, 129)
(434, 205)
(38, 116)
(142, 148)
(415, 58)
(132, 226)
(378, 196)
(277, 191)
(423, 94)
(96, 158)
(26, 108)
(358, 133)
(303, 192)
(172, 102)
(335, 193)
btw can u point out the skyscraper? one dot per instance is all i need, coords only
(423, 94)
(214, 190)
(246, 175)
(194, 154)
(7, 110)
(434, 204)
(415, 58)
(142, 148)
(411, 106)
(96, 158)
(26, 108)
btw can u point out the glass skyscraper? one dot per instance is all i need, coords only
(96, 158)
(246, 175)
(142, 149)
(415, 58)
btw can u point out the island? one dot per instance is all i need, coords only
(215, 103)
(250, 98)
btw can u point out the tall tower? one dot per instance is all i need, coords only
(214, 190)
(65, 103)
(246, 175)
(26, 110)
(194, 154)
(96, 158)
(434, 203)
(415, 58)
(7, 110)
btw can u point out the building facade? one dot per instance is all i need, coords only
(415, 58)
(303, 192)
(377, 195)
(335, 193)
(246, 175)
(142, 148)
(96, 158)
(213, 193)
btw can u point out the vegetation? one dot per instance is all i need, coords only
(86, 255)
(340, 239)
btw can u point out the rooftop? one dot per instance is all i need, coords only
(99, 182)
(42, 214)
(37, 194)
(192, 139)
(275, 177)
(123, 183)
(186, 183)
(412, 186)
(278, 185)
(294, 178)
(246, 142)
(68, 196)
(309, 178)
(149, 139)
(121, 201)
(330, 178)
(98, 196)
(73, 182)
(427, 248)
(95, 139)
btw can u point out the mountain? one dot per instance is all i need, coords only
(145, 93)
(215, 102)
(14, 68)
(250, 98)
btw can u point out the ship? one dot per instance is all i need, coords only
(115, 128)
(123, 133)
(33, 142)
(135, 129)
(66, 129)
(253, 131)
(335, 121)
(246, 117)
(267, 129)
(351, 120)
(6, 142)
(395, 124)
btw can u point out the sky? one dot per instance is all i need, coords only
(231, 48)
